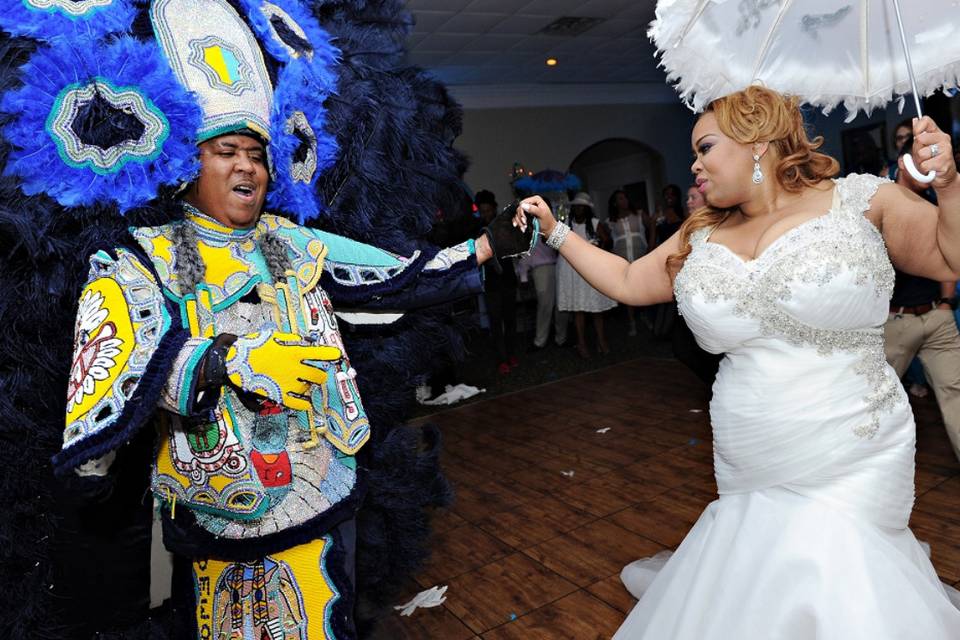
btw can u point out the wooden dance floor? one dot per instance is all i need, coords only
(561, 485)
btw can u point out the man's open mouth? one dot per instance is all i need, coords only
(244, 190)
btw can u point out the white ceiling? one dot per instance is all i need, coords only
(495, 42)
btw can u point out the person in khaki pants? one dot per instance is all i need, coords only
(921, 324)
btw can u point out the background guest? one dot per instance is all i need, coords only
(669, 218)
(573, 292)
(914, 377)
(921, 324)
(456, 220)
(541, 266)
(630, 237)
(500, 294)
(695, 199)
(670, 215)
(901, 133)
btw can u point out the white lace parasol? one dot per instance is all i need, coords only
(827, 52)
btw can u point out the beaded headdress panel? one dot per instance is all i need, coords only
(117, 95)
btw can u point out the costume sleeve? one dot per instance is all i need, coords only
(127, 338)
(180, 394)
(362, 277)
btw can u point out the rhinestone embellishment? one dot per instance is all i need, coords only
(814, 252)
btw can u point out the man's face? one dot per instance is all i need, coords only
(233, 180)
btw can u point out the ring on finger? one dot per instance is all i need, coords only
(934, 150)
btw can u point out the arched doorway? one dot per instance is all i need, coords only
(620, 163)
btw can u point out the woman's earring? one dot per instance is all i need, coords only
(757, 174)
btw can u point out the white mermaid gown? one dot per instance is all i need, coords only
(813, 447)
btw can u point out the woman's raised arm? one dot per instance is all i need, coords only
(643, 282)
(923, 239)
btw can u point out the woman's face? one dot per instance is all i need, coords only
(695, 199)
(579, 212)
(900, 136)
(622, 202)
(670, 198)
(722, 166)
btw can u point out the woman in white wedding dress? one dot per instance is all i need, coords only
(789, 274)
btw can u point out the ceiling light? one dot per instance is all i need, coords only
(551, 62)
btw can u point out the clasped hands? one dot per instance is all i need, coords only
(535, 208)
(279, 366)
(506, 240)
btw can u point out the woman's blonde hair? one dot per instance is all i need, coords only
(758, 114)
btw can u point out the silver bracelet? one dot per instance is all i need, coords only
(558, 235)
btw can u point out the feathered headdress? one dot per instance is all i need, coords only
(109, 116)
(97, 132)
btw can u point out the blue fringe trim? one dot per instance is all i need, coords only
(302, 84)
(325, 55)
(434, 288)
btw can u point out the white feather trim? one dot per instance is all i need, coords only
(698, 63)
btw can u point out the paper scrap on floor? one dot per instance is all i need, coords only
(432, 597)
(454, 394)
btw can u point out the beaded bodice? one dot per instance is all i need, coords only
(822, 287)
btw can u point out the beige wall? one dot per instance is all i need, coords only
(603, 178)
(552, 137)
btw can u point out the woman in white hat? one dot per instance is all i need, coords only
(573, 292)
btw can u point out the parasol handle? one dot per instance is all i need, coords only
(915, 173)
(908, 158)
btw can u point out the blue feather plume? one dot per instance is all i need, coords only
(312, 47)
(299, 91)
(22, 18)
(546, 181)
(126, 64)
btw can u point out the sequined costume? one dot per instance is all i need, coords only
(249, 489)
(102, 105)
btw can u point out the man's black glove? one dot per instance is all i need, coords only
(506, 240)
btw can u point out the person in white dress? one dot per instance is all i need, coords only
(629, 232)
(788, 273)
(575, 294)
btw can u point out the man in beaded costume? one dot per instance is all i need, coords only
(222, 321)
(218, 328)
